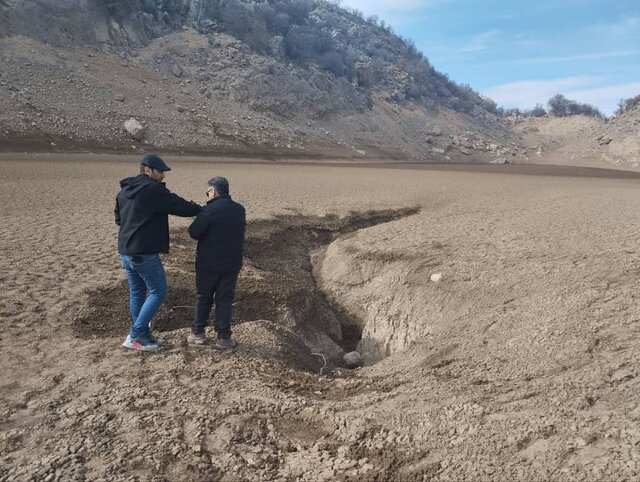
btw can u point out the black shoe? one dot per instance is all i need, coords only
(197, 339)
(225, 344)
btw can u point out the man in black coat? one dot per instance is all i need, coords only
(142, 211)
(219, 229)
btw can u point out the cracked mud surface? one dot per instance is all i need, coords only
(520, 364)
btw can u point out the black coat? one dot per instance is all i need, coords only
(219, 229)
(142, 209)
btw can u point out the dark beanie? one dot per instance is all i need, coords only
(220, 184)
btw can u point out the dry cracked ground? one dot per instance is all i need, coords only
(520, 363)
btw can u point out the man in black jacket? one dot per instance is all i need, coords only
(219, 229)
(142, 208)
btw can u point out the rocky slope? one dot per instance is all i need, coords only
(76, 71)
(620, 140)
(582, 140)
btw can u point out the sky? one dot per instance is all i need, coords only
(522, 52)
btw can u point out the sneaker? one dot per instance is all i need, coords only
(140, 343)
(151, 338)
(155, 340)
(197, 339)
(225, 344)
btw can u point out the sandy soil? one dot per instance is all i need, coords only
(520, 364)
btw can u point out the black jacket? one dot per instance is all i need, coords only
(219, 229)
(142, 209)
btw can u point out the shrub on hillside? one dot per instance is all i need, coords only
(333, 61)
(537, 111)
(560, 106)
(368, 75)
(243, 22)
(627, 105)
(301, 43)
(297, 10)
(171, 9)
(277, 22)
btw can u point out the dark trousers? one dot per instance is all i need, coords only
(219, 287)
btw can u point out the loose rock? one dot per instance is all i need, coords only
(135, 129)
(353, 359)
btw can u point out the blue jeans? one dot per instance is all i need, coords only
(147, 289)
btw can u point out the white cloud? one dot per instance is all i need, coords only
(625, 27)
(447, 54)
(587, 89)
(378, 6)
(464, 49)
(528, 93)
(481, 42)
(387, 10)
(606, 98)
(568, 58)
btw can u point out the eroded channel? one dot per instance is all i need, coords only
(276, 284)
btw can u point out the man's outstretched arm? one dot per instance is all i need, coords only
(167, 202)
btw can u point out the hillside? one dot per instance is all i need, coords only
(303, 78)
(581, 140)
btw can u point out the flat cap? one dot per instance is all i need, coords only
(154, 161)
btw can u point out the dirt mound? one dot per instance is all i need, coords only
(620, 140)
(586, 141)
